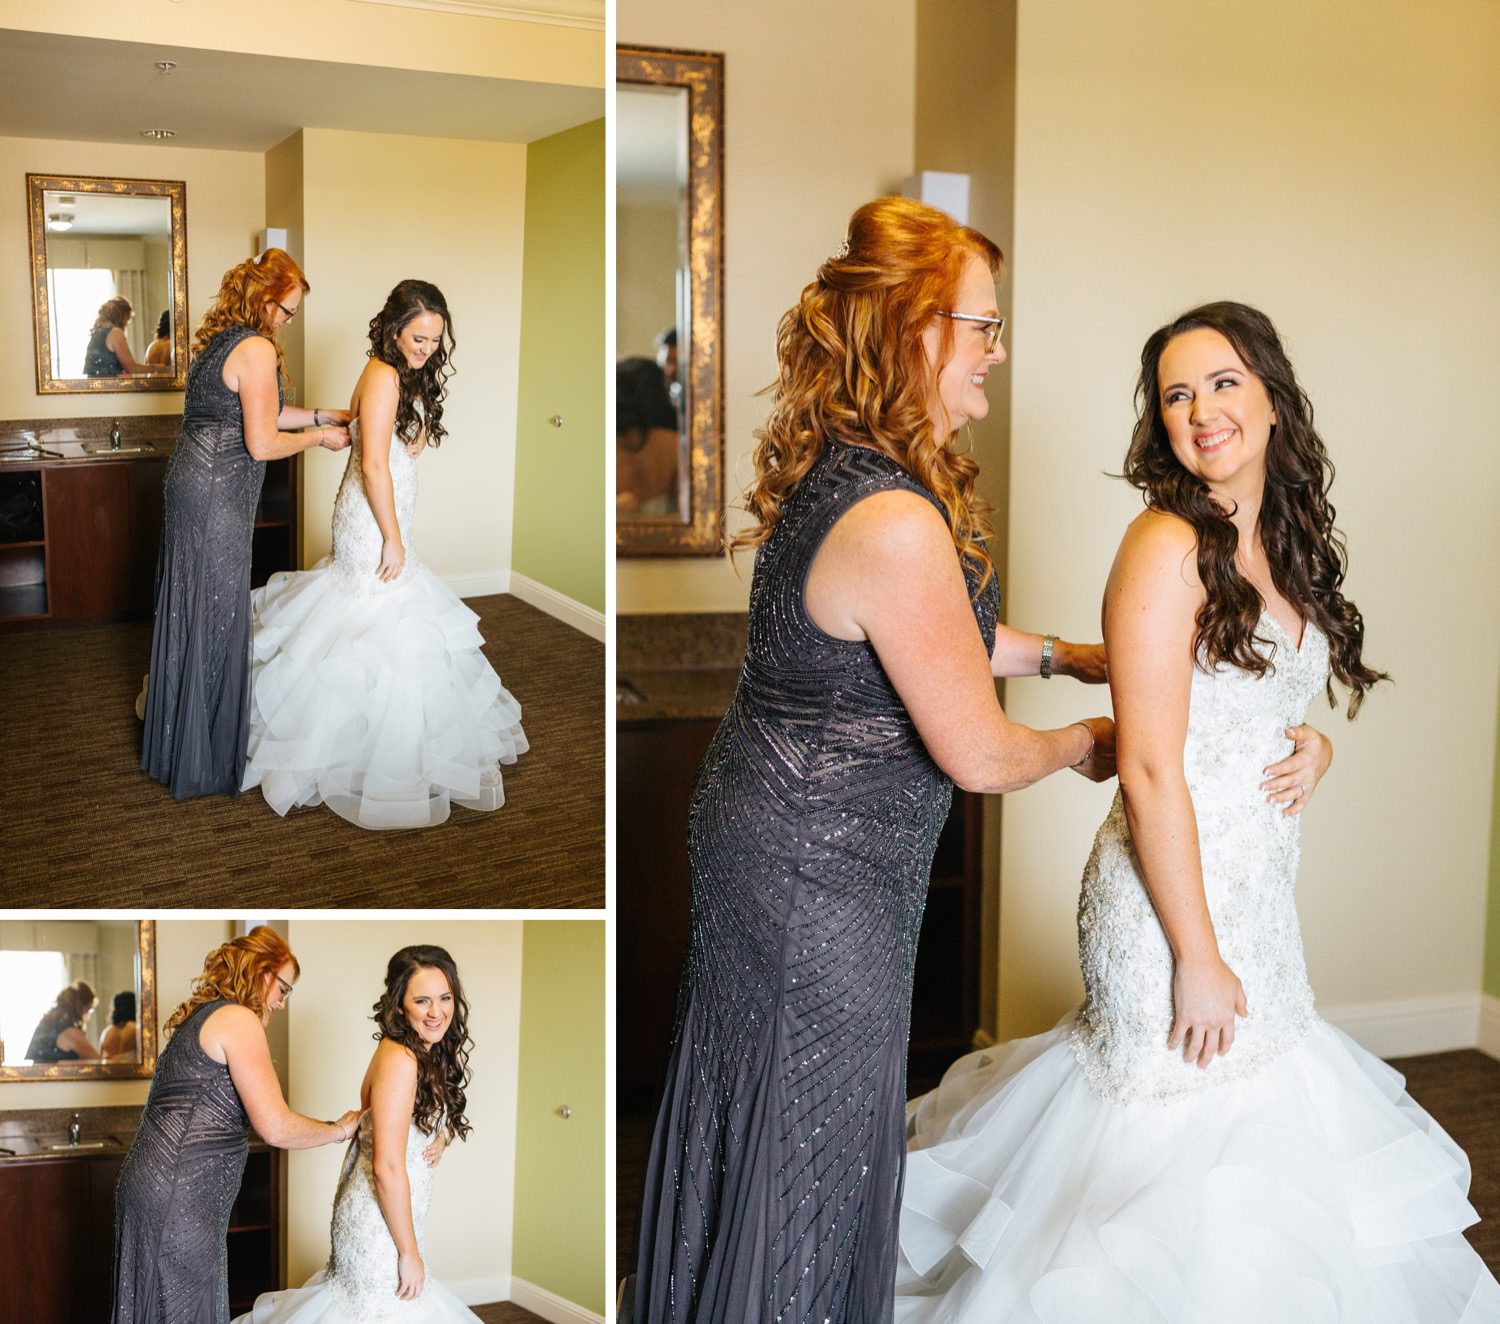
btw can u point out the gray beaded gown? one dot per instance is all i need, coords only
(773, 1185)
(176, 1189)
(198, 699)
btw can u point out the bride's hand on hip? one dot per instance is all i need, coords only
(392, 561)
(1292, 781)
(411, 1273)
(1206, 997)
(435, 1148)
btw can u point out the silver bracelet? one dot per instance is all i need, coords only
(317, 422)
(1089, 752)
(1047, 642)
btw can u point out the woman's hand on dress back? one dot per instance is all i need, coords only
(1206, 997)
(411, 1274)
(1099, 766)
(435, 1147)
(392, 561)
(1292, 781)
(348, 1124)
(335, 438)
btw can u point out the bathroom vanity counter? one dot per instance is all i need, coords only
(57, 1206)
(80, 522)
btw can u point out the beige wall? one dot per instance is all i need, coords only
(343, 970)
(818, 116)
(1343, 174)
(225, 210)
(373, 213)
(646, 245)
(181, 946)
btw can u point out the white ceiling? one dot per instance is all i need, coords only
(651, 142)
(110, 213)
(91, 90)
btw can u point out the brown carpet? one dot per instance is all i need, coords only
(83, 826)
(1460, 1090)
(506, 1312)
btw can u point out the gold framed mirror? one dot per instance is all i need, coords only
(669, 303)
(94, 243)
(47, 968)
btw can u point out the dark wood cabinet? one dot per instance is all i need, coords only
(57, 1219)
(89, 553)
(657, 762)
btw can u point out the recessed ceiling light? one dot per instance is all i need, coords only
(59, 220)
(158, 133)
(166, 66)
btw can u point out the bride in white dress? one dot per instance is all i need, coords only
(413, 1096)
(370, 692)
(1194, 1145)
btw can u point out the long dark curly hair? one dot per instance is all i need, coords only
(1305, 551)
(427, 385)
(851, 366)
(442, 1068)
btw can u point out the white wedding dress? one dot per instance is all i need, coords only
(358, 1286)
(1090, 1176)
(374, 698)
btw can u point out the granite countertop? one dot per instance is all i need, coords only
(30, 1135)
(103, 1133)
(65, 437)
(677, 667)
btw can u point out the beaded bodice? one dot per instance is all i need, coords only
(1250, 852)
(356, 536)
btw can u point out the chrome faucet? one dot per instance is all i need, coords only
(75, 1127)
(114, 436)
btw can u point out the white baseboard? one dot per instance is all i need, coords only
(565, 609)
(479, 586)
(549, 1305)
(480, 1291)
(1489, 1025)
(1406, 1027)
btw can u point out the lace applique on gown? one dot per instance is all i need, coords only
(1090, 1174)
(358, 1285)
(374, 698)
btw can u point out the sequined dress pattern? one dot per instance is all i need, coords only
(774, 1178)
(197, 702)
(375, 698)
(176, 1188)
(1091, 1174)
(358, 1285)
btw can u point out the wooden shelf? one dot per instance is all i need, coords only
(23, 601)
(17, 546)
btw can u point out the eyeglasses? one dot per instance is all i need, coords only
(290, 312)
(993, 326)
(286, 989)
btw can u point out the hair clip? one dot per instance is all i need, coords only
(842, 251)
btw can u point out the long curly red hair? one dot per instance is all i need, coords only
(852, 367)
(236, 971)
(248, 296)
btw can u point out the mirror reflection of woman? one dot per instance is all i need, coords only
(773, 1184)
(371, 692)
(414, 1096)
(196, 704)
(650, 478)
(159, 352)
(108, 353)
(60, 1035)
(119, 1040)
(213, 1081)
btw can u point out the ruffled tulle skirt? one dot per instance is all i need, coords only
(1312, 1192)
(316, 1302)
(379, 705)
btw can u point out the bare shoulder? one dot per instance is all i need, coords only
(253, 350)
(1161, 546)
(393, 1062)
(380, 378)
(229, 1026)
(892, 526)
